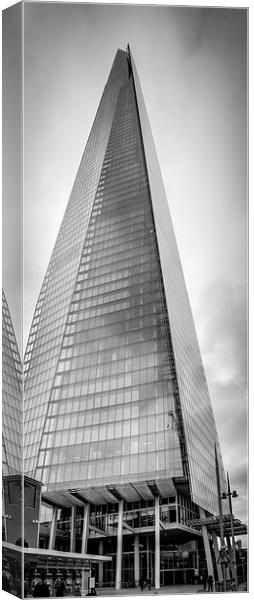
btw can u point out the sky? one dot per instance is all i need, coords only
(192, 68)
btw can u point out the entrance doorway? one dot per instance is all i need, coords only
(177, 576)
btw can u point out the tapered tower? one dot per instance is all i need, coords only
(116, 401)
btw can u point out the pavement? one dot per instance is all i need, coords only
(166, 590)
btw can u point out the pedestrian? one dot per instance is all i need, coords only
(210, 583)
(59, 588)
(6, 583)
(204, 577)
(141, 584)
(26, 588)
(41, 590)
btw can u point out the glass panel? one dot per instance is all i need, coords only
(195, 406)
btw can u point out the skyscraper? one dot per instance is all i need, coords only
(118, 422)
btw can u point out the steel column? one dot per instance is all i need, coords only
(52, 535)
(157, 543)
(217, 554)
(136, 560)
(232, 533)
(73, 529)
(119, 546)
(147, 558)
(101, 564)
(208, 555)
(85, 529)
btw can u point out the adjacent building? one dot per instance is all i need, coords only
(12, 441)
(11, 397)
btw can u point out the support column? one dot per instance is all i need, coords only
(4, 513)
(52, 535)
(216, 552)
(208, 555)
(101, 564)
(85, 573)
(234, 565)
(73, 529)
(222, 541)
(119, 546)
(136, 561)
(157, 543)
(229, 568)
(147, 558)
(39, 523)
(82, 579)
(85, 530)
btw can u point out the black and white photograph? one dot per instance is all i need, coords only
(125, 300)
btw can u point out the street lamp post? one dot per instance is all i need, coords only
(222, 558)
(243, 569)
(231, 495)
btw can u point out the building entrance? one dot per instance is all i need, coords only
(177, 577)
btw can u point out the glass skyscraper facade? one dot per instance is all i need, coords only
(115, 390)
(199, 428)
(119, 433)
(112, 409)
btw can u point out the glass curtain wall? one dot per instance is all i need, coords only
(199, 426)
(50, 315)
(111, 416)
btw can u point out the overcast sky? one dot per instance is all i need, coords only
(192, 67)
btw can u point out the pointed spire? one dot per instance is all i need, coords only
(128, 52)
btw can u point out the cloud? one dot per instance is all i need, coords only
(225, 331)
(222, 324)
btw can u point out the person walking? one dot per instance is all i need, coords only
(204, 577)
(41, 590)
(59, 588)
(26, 588)
(210, 583)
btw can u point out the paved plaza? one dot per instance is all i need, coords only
(164, 591)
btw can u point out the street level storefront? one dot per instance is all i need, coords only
(147, 531)
(147, 538)
(74, 571)
(159, 539)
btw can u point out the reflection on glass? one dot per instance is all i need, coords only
(195, 405)
(113, 373)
